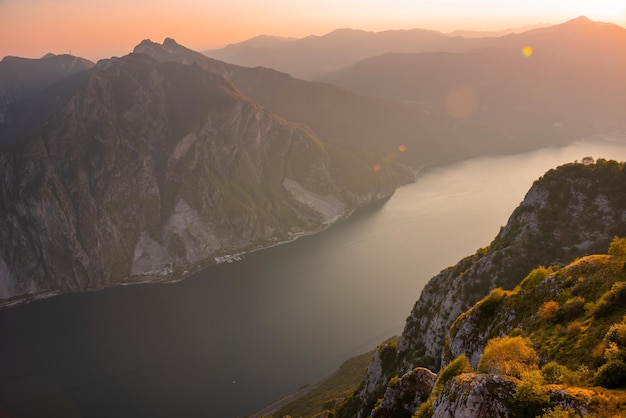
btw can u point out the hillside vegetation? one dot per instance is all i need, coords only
(546, 281)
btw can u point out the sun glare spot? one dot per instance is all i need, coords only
(527, 51)
(402, 148)
(377, 167)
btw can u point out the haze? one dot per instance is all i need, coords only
(97, 30)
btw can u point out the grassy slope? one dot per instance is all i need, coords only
(325, 395)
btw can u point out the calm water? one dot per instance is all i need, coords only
(234, 338)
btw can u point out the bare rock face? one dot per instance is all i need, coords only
(150, 171)
(412, 389)
(475, 395)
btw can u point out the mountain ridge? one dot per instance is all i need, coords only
(551, 226)
(312, 57)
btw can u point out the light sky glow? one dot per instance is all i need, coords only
(94, 30)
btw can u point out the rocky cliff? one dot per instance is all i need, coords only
(570, 212)
(150, 171)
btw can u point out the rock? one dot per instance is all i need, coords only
(412, 389)
(472, 395)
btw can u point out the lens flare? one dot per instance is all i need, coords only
(402, 148)
(527, 51)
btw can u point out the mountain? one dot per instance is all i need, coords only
(151, 170)
(21, 78)
(424, 136)
(194, 160)
(570, 85)
(572, 211)
(313, 56)
(492, 34)
(25, 101)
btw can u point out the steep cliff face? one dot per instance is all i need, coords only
(153, 170)
(571, 211)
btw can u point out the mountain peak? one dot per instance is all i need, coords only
(170, 43)
(581, 19)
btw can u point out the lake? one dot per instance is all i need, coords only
(240, 335)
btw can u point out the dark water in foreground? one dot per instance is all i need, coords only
(236, 337)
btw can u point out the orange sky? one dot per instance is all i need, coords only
(96, 29)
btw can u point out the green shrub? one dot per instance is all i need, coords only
(535, 277)
(555, 374)
(488, 306)
(611, 375)
(552, 373)
(610, 300)
(617, 334)
(617, 247)
(425, 410)
(456, 367)
(559, 412)
(531, 398)
(573, 308)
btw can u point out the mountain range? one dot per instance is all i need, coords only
(562, 81)
(224, 158)
(153, 169)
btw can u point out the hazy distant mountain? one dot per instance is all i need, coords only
(496, 33)
(316, 55)
(335, 114)
(21, 79)
(572, 84)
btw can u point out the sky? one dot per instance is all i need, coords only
(101, 29)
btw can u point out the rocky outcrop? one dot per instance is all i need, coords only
(570, 212)
(412, 390)
(475, 395)
(150, 171)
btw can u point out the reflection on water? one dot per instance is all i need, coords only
(233, 338)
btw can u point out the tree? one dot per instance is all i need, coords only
(510, 356)
(618, 247)
(588, 160)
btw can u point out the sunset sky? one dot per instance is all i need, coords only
(97, 29)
